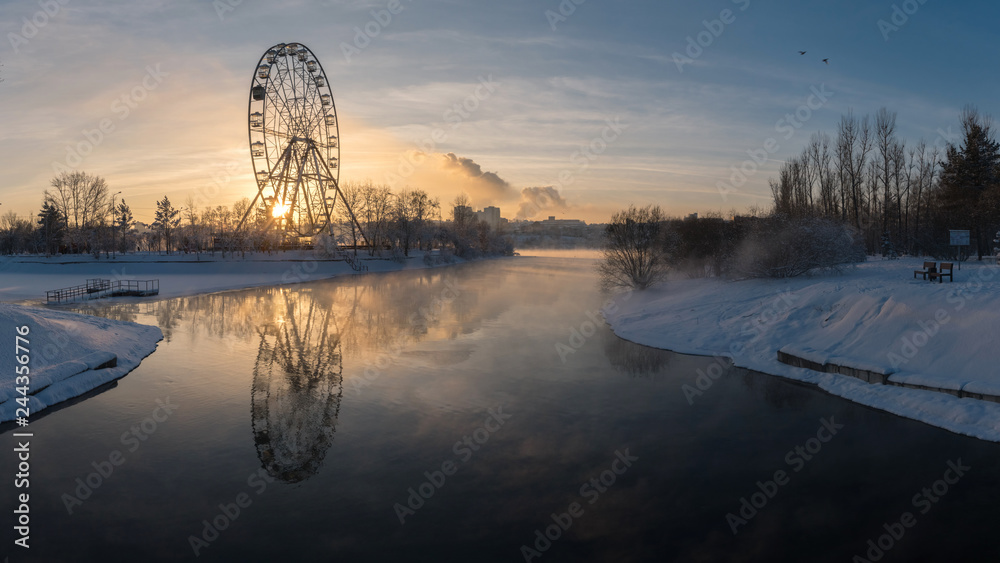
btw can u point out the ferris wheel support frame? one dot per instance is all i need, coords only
(295, 113)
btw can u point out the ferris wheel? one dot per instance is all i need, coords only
(297, 386)
(294, 143)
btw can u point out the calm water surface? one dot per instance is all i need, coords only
(326, 409)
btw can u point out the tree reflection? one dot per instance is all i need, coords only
(635, 360)
(776, 391)
(304, 333)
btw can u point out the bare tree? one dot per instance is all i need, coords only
(377, 199)
(885, 143)
(636, 249)
(854, 143)
(81, 197)
(351, 193)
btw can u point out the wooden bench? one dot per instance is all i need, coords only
(929, 268)
(939, 276)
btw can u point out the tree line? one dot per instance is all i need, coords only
(79, 214)
(864, 191)
(902, 198)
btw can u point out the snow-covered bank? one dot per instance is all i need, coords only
(875, 317)
(27, 278)
(68, 350)
(64, 353)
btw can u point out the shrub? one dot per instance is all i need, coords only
(785, 248)
(636, 249)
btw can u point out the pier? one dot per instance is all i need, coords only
(98, 288)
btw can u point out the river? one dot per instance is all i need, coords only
(479, 412)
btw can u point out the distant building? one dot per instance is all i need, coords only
(490, 216)
(562, 223)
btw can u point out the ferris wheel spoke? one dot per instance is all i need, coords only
(295, 146)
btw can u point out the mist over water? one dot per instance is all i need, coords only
(329, 405)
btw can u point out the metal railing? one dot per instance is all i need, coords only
(98, 288)
(355, 263)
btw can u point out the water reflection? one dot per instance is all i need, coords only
(297, 387)
(635, 360)
(303, 334)
(789, 394)
(262, 375)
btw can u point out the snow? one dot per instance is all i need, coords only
(64, 349)
(26, 278)
(874, 317)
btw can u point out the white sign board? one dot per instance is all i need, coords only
(959, 238)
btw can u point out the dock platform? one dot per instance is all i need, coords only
(98, 288)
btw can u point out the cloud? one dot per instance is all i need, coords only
(536, 200)
(483, 185)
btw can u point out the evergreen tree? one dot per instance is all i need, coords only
(51, 227)
(124, 223)
(167, 219)
(970, 179)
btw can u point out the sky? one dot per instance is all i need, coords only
(598, 104)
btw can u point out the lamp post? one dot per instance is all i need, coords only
(114, 219)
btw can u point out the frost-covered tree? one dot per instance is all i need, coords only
(778, 247)
(82, 198)
(636, 250)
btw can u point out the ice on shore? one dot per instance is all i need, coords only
(64, 349)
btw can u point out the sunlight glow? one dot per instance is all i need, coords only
(279, 210)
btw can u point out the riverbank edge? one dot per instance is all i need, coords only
(102, 376)
(813, 383)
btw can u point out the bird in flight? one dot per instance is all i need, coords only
(827, 61)
(802, 52)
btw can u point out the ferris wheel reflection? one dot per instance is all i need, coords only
(297, 387)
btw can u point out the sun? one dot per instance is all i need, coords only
(280, 209)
